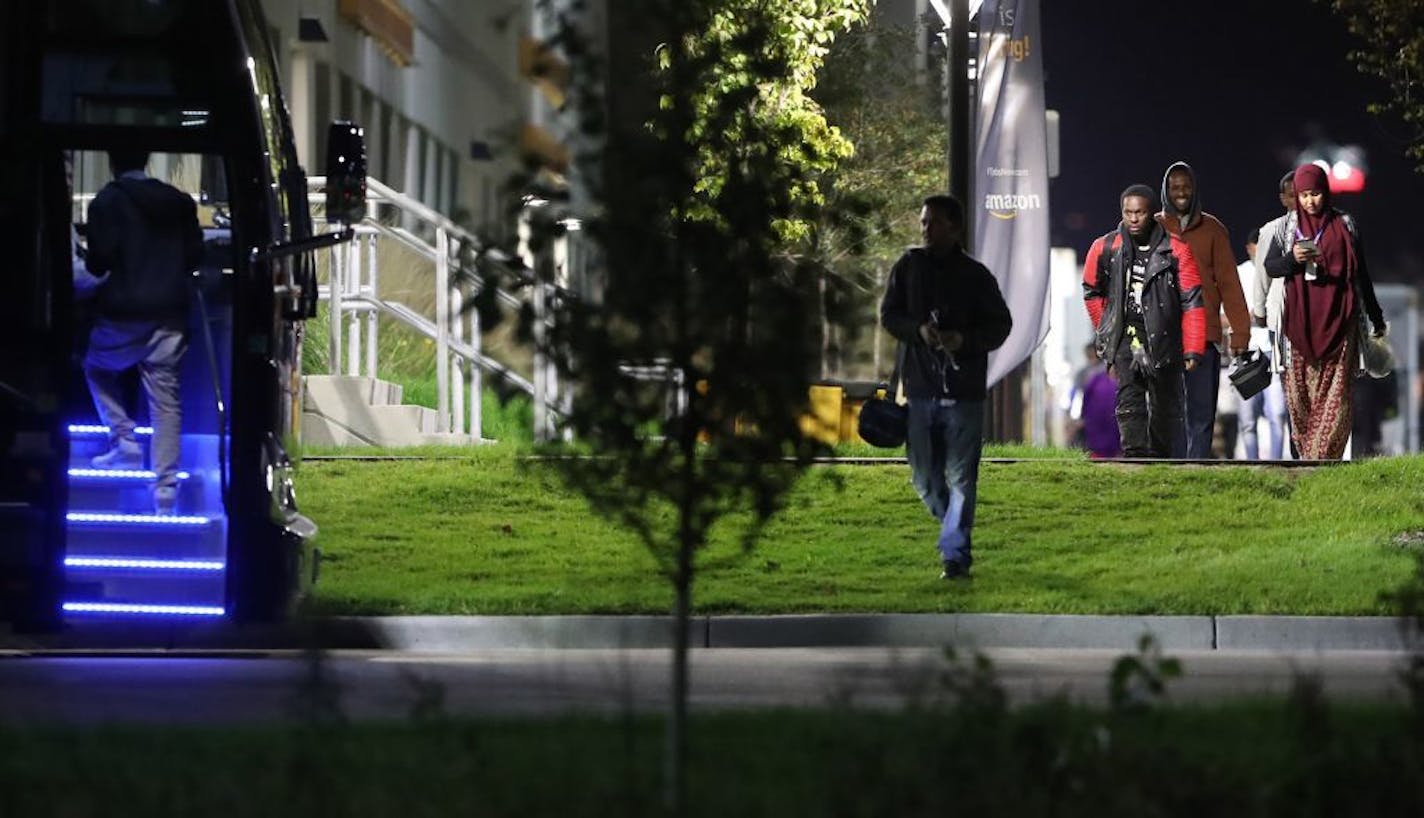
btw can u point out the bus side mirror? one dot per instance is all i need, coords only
(345, 173)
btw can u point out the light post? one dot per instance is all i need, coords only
(956, 15)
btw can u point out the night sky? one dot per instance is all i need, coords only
(1139, 86)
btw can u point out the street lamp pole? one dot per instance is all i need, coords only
(961, 140)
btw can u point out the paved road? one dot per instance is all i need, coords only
(283, 686)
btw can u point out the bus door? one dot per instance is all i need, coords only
(124, 555)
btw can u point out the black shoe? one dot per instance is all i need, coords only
(954, 569)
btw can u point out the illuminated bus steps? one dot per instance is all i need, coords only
(123, 561)
(138, 560)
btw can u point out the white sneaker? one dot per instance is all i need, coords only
(165, 500)
(125, 454)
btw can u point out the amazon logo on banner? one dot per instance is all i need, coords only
(1009, 205)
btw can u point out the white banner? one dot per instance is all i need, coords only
(1009, 187)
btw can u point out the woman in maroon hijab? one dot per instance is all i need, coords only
(1327, 285)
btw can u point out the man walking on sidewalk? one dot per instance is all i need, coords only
(947, 312)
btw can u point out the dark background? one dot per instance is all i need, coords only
(1236, 90)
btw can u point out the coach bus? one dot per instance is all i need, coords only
(195, 83)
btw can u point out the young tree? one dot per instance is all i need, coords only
(1392, 36)
(704, 171)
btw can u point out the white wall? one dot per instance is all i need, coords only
(462, 87)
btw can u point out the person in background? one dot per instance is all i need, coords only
(1183, 217)
(1270, 403)
(946, 309)
(1327, 290)
(1091, 365)
(144, 237)
(1093, 408)
(1099, 415)
(1143, 296)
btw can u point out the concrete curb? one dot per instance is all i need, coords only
(445, 634)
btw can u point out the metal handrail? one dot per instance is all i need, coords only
(354, 293)
(217, 391)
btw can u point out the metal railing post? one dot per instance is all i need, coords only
(541, 386)
(353, 325)
(373, 317)
(477, 389)
(442, 327)
(457, 373)
(334, 290)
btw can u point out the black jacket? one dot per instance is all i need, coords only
(145, 234)
(967, 300)
(1174, 318)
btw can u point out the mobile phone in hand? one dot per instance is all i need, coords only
(1307, 244)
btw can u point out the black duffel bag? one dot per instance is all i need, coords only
(883, 423)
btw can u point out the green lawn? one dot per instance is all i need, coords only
(488, 533)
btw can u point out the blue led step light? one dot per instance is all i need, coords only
(137, 608)
(142, 564)
(159, 520)
(91, 430)
(120, 474)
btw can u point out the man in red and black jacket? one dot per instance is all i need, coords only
(1143, 293)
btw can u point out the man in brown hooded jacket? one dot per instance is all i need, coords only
(1204, 233)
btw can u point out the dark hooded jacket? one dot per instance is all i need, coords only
(1211, 247)
(965, 297)
(145, 234)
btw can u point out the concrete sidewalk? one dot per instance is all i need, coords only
(443, 634)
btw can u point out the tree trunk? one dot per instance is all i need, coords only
(675, 754)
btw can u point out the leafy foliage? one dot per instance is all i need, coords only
(691, 203)
(878, 98)
(695, 208)
(764, 56)
(1392, 34)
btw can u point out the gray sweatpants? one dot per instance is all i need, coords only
(157, 350)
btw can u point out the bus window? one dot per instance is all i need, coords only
(125, 62)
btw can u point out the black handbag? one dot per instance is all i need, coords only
(1250, 373)
(883, 422)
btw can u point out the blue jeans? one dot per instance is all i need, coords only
(1270, 404)
(1202, 383)
(943, 444)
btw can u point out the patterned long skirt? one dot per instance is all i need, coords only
(1319, 399)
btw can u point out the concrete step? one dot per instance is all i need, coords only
(341, 410)
(327, 394)
(452, 439)
(319, 430)
(379, 426)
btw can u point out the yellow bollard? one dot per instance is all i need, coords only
(823, 421)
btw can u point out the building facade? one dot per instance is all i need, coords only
(435, 83)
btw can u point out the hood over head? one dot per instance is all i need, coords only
(1192, 214)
